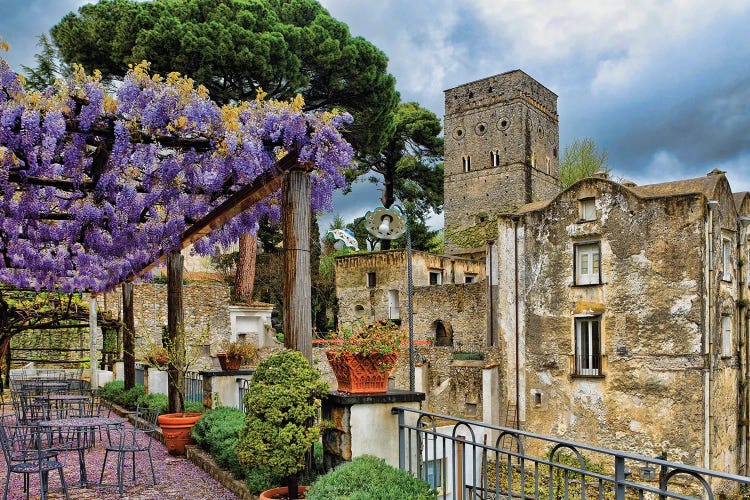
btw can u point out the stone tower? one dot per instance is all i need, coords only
(501, 152)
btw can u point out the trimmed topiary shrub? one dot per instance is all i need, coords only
(369, 478)
(281, 405)
(216, 432)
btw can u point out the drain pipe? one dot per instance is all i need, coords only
(742, 338)
(515, 219)
(707, 340)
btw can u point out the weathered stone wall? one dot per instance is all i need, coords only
(650, 397)
(507, 124)
(206, 313)
(358, 301)
(461, 308)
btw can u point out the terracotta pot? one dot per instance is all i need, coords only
(280, 493)
(227, 363)
(176, 430)
(357, 374)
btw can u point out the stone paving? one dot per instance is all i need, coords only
(177, 478)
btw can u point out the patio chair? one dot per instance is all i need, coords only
(132, 440)
(28, 408)
(24, 454)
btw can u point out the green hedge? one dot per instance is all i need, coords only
(216, 432)
(369, 478)
(115, 392)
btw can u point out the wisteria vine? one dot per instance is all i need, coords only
(96, 185)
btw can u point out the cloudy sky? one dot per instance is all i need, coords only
(663, 86)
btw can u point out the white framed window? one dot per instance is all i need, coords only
(371, 280)
(470, 278)
(466, 163)
(436, 277)
(726, 336)
(434, 473)
(587, 209)
(587, 264)
(726, 258)
(588, 355)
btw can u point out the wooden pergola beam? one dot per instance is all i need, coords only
(261, 187)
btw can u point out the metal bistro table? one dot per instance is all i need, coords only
(81, 430)
(66, 405)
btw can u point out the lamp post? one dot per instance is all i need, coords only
(389, 224)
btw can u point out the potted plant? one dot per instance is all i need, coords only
(362, 356)
(181, 357)
(235, 353)
(157, 356)
(281, 405)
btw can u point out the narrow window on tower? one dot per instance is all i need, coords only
(467, 163)
(495, 158)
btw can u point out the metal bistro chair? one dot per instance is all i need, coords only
(132, 440)
(24, 454)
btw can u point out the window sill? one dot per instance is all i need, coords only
(576, 375)
(578, 285)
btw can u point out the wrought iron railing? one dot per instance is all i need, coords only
(475, 461)
(243, 385)
(193, 387)
(140, 374)
(588, 365)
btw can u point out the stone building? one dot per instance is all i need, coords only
(616, 314)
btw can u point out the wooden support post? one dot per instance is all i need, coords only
(93, 328)
(128, 335)
(295, 224)
(175, 331)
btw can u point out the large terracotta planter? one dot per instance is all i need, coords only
(227, 363)
(176, 430)
(358, 374)
(280, 493)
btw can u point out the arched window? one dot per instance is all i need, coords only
(443, 334)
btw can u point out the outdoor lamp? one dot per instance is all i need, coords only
(344, 238)
(389, 224)
(385, 226)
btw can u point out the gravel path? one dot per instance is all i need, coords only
(176, 478)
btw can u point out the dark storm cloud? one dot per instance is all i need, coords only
(665, 87)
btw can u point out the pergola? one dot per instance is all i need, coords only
(97, 188)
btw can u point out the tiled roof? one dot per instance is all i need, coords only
(706, 185)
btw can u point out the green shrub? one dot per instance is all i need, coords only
(369, 478)
(193, 406)
(151, 400)
(111, 390)
(216, 432)
(129, 399)
(282, 402)
(260, 479)
(468, 356)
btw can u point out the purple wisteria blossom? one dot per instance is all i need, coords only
(94, 186)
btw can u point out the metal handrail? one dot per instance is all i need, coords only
(522, 464)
